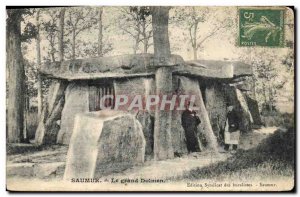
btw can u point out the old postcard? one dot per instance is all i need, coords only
(141, 98)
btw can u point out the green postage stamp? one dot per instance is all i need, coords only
(261, 27)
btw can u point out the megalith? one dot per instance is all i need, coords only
(191, 87)
(103, 142)
(246, 117)
(76, 101)
(48, 129)
(236, 97)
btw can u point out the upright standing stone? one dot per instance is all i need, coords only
(47, 129)
(103, 142)
(246, 117)
(216, 107)
(236, 97)
(76, 101)
(191, 87)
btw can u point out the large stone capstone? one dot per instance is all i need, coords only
(103, 142)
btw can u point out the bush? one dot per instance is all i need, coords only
(278, 119)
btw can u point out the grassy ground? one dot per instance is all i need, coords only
(274, 157)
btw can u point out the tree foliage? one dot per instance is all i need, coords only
(191, 19)
(50, 28)
(273, 77)
(137, 23)
(78, 19)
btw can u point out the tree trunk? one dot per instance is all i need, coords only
(61, 34)
(38, 58)
(100, 33)
(160, 20)
(145, 39)
(195, 48)
(163, 148)
(265, 95)
(53, 50)
(16, 78)
(73, 44)
(195, 53)
(271, 97)
(52, 57)
(26, 112)
(137, 40)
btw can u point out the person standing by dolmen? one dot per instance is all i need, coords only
(190, 121)
(232, 132)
